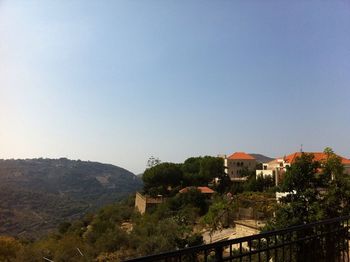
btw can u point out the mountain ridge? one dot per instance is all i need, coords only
(261, 158)
(37, 194)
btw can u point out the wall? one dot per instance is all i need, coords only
(140, 203)
(143, 203)
(264, 173)
(233, 170)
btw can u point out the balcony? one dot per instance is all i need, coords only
(326, 240)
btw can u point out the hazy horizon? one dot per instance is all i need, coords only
(120, 81)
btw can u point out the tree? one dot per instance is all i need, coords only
(161, 176)
(193, 198)
(220, 214)
(308, 202)
(337, 197)
(146, 238)
(211, 167)
(153, 161)
(71, 248)
(192, 165)
(201, 171)
(302, 205)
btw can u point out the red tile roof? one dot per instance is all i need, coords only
(318, 156)
(241, 156)
(202, 189)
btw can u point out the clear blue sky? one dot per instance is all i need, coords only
(119, 81)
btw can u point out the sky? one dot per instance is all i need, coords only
(121, 81)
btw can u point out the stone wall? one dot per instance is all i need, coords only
(140, 203)
(143, 203)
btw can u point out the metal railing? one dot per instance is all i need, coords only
(326, 240)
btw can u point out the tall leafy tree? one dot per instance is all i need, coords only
(153, 161)
(302, 205)
(319, 190)
(159, 178)
(201, 171)
(337, 197)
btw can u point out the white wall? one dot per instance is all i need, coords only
(264, 173)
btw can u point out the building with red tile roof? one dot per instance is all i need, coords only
(202, 189)
(318, 156)
(237, 163)
(240, 156)
(276, 168)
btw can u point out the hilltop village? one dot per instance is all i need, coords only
(202, 200)
(241, 168)
(252, 183)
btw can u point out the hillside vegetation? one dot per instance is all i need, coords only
(37, 194)
(117, 232)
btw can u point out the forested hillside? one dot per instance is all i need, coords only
(117, 232)
(37, 194)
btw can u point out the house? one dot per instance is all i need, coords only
(274, 168)
(237, 163)
(277, 167)
(319, 156)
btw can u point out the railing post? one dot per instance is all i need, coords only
(219, 254)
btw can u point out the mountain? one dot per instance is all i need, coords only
(38, 194)
(261, 158)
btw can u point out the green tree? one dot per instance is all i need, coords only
(193, 198)
(153, 161)
(337, 182)
(192, 165)
(201, 171)
(308, 202)
(211, 167)
(161, 177)
(146, 238)
(71, 248)
(220, 214)
(302, 205)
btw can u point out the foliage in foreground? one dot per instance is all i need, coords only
(318, 190)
